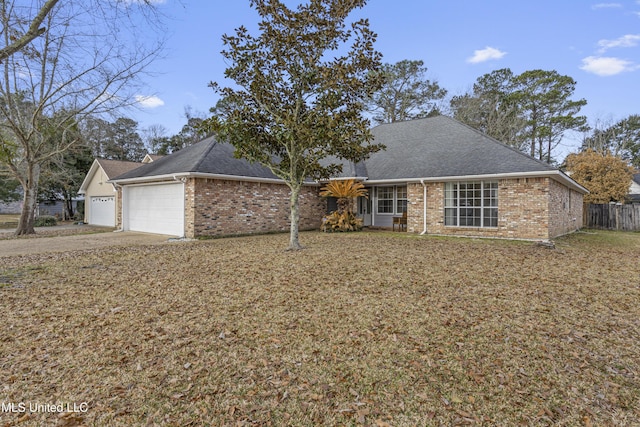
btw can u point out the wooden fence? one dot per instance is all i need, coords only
(612, 217)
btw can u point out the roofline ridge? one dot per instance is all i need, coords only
(206, 152)
(409, 120)
(496, 141)
(99, 159)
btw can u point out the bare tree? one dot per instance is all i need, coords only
(87, 62)
(19, 40)
(153, 136)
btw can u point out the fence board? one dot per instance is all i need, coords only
(612, 217)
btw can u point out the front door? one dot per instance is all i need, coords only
(364, 209)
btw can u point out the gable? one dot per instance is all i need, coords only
(102, 170)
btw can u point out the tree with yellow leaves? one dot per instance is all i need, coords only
(606, 177)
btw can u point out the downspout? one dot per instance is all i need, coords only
(424, 207)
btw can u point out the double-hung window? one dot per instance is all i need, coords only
(392, 199)
(385, 200)
(401, 199)
(471, 204)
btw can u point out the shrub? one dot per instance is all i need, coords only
(345, 221)
(45, 221)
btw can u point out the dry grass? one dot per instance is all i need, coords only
(63, 229)
(9, 220)
(358, 329)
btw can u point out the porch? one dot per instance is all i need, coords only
(385, 207)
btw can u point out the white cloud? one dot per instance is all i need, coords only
(486, 54)
(149, 101)
(607, 66)
(606, 6)
(628, 40)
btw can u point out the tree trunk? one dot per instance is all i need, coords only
(29, 201)
(68, 206)
(294, 243)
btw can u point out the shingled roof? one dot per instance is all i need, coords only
(111, 169)
(443, 147)
(431, 148)
(205, 157)
(114, 168)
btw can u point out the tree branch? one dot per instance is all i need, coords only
(34, 31)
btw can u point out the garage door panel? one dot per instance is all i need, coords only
(102, 211)
(156, 209)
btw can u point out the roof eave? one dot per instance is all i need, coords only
(177, 176)
(553, 174)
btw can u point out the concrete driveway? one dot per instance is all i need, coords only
(52, 243)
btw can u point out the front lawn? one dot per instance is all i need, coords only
(369, 328)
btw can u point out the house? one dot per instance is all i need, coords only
(634, 188)
(454, 180)
(202, 190)
(449, 178)
(11, 208)
(56, 207)
(100, 195)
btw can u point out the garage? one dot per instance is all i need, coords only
(102, 211)
(157, 208)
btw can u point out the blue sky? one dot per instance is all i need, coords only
(596, 43)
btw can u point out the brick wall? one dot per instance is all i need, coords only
(119, 224)
(225, 207)
(565, 210)
(528, 208)
(523, 208)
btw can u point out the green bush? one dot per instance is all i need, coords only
(45, 221)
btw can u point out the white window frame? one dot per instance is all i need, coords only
(483, 202)
(400, 199)
(394, 200)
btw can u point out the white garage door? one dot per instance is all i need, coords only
(155, 209)
(103, 211)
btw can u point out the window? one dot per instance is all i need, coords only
(385, 200)
(392, 199)
(471, 204)
(401, 199)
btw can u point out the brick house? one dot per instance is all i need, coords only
(203, 190)
(449, 179)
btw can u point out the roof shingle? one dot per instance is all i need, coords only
(425, 148)
(207, 156)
